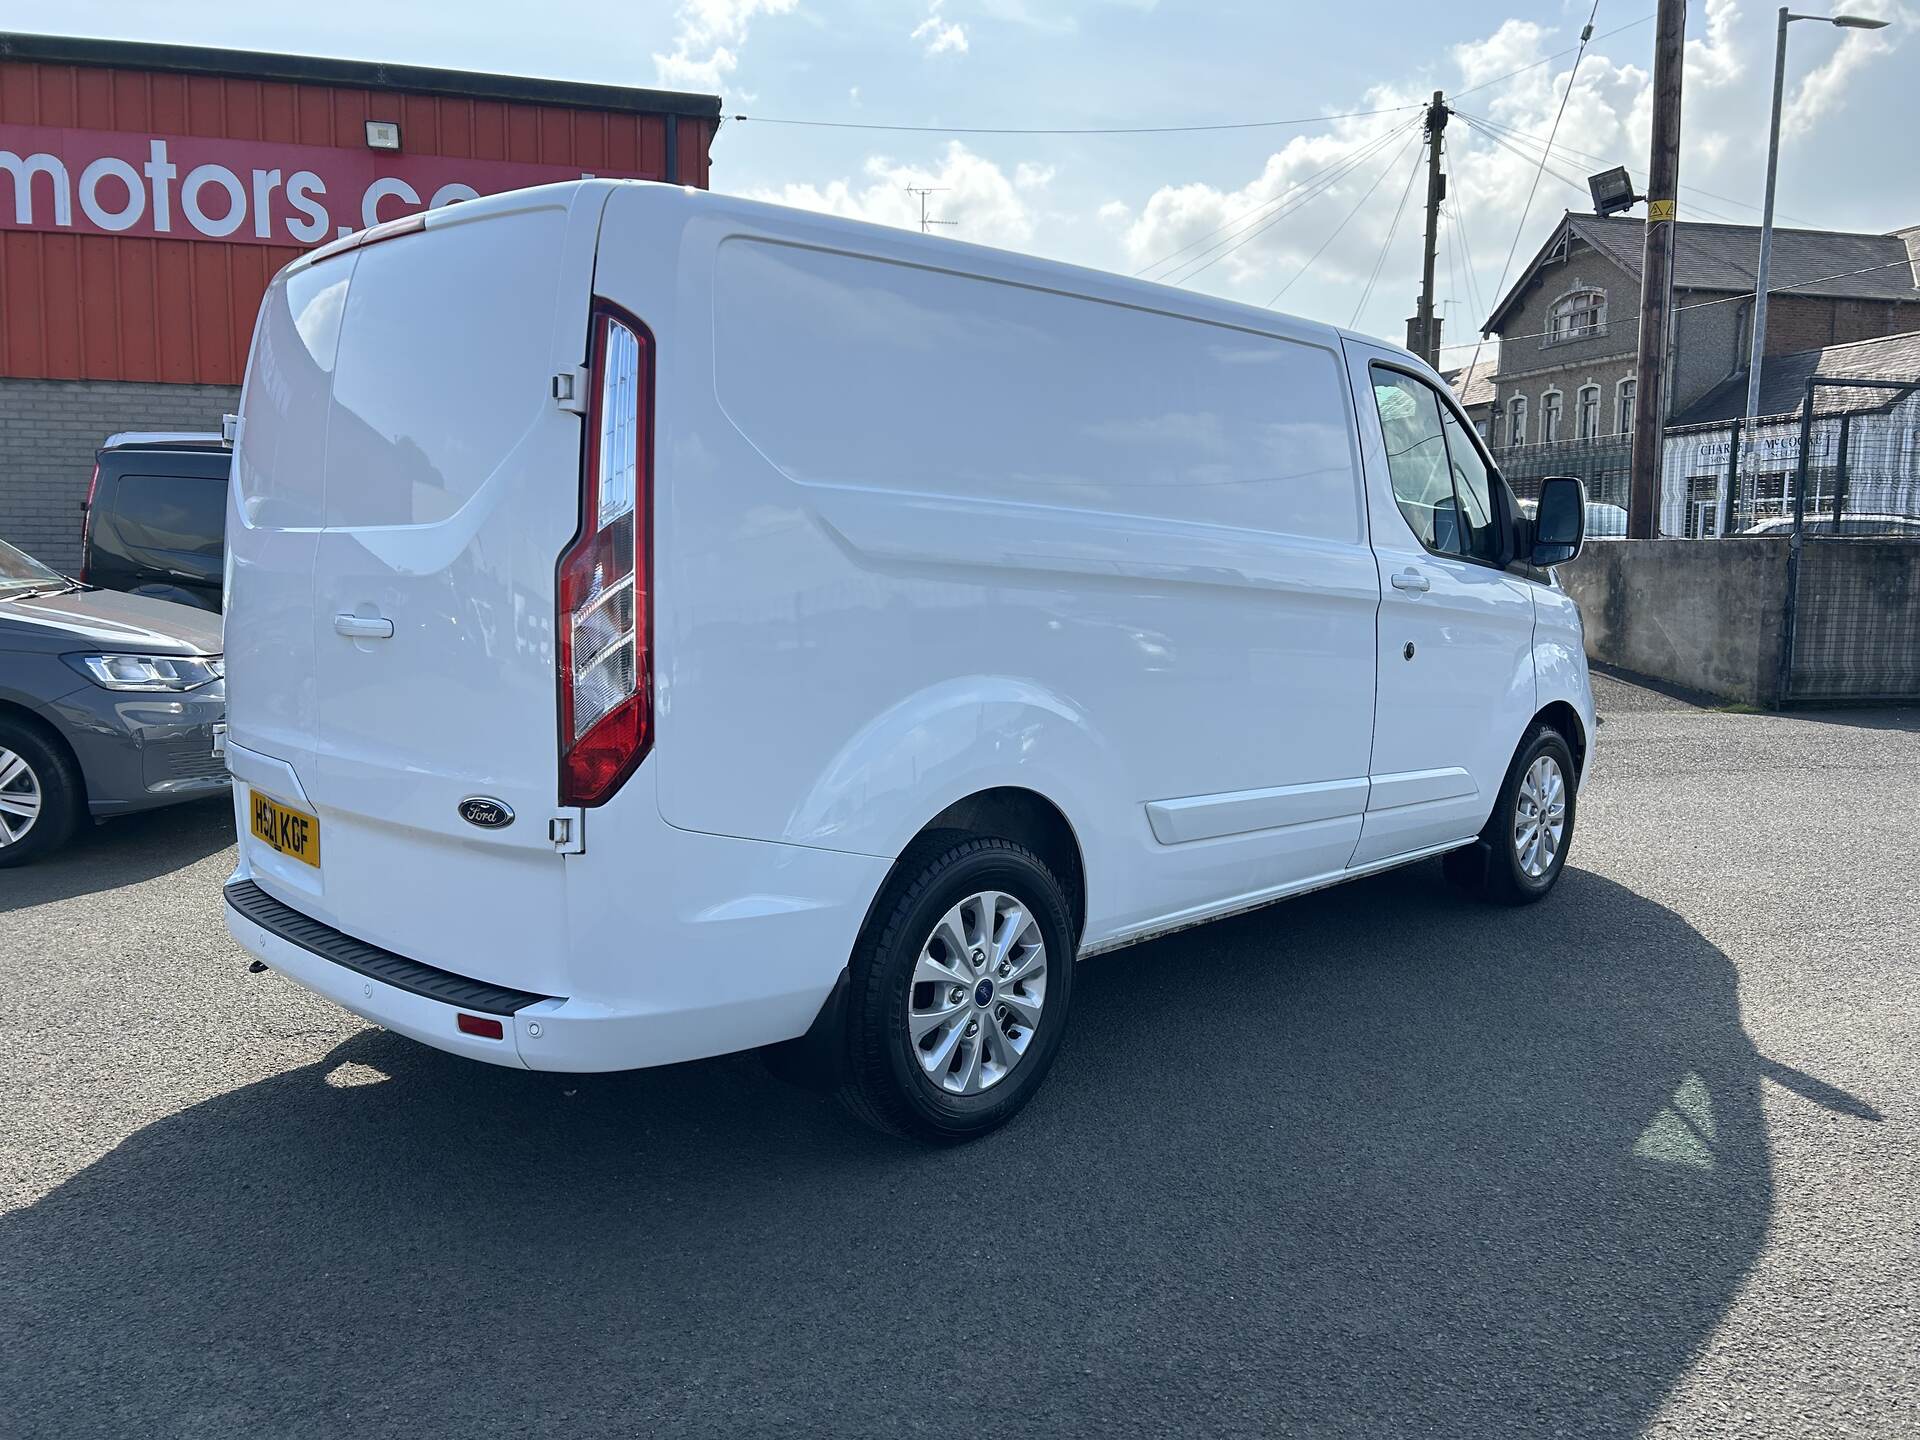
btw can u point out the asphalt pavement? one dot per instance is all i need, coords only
(1380, 1161)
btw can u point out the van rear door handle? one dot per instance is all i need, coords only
(363, 627)
(1411, 580)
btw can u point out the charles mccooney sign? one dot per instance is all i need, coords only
(111, 183)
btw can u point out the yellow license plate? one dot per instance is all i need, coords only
(291, 832)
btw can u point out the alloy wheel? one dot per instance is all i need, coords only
(978, 988)
(1540, 817)
(21, 798)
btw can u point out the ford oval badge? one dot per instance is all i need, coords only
(486, 812)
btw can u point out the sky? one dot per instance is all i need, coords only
(1298, 215)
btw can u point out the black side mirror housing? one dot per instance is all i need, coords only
(1559, 521)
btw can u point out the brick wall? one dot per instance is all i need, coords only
(49, 431)
(1800, 322)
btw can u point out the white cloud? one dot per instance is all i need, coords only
(707, 37)
(1825, 88)
(943, 37)
(1028, 176)
(986, 205)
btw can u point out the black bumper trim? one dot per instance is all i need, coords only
(323, 940)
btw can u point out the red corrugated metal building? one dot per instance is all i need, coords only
(148, 193)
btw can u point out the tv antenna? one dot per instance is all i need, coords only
(927, 222)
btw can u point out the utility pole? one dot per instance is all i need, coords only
(1656, 274)
(927, 222)
(1425, 331)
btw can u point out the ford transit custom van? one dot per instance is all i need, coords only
(661, 624)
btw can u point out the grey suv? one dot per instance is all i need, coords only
(108, 703)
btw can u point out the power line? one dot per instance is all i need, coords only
(1539, 160)
(1171, 129)
(1457, 213)
(1638, 177)
(1352, 163)
(1549, 59)
(1573, 75)
(1385, 170)
(1084, 130)
(1380, 264)
(1285, 195)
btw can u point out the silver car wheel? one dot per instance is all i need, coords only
(20, 797)
(1540, 816)
(977, 992)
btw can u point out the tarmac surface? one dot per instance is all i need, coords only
(1381, 1161)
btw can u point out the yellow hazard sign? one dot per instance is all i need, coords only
(1659, 210)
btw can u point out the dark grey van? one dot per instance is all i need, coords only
(156, 517)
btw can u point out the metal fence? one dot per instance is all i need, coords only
(1849, 462)
(1847, 473)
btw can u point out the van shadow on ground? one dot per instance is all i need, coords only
(1381, 1161)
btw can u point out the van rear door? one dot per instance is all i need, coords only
(445, 487)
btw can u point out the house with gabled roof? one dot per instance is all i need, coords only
(1569, 325)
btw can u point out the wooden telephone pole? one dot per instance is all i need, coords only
(1426, 333)
(1656, 274)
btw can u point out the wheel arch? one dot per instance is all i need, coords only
(1563, 717)
(33, 720)
(1026, 817)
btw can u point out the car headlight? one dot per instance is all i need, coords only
(149, 672)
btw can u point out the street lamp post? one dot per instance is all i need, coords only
(1759, 325)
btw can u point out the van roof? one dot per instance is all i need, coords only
(165, 440)
(1013, 264)
(891, 242)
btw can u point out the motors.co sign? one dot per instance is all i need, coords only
(242, 191)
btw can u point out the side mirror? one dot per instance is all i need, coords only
(1560, 521)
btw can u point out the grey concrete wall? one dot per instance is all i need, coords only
(1706, 615)
(49, 431)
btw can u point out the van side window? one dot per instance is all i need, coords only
(1472, 491)
(1439, 480)
(1417, 458)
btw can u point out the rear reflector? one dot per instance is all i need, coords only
(485, 1026)
(605, 675)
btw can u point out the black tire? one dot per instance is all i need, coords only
(884, 1082)
(1491, 866)
(61, 792)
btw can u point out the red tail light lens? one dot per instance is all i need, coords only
(86, 525)
(605, 678)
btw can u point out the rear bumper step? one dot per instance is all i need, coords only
(254, 904)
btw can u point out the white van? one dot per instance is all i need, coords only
(660, 624)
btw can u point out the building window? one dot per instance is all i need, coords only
(1517, 428)
(1587, 416)
(1549, 417)
(1624, 408)
(1577, 315)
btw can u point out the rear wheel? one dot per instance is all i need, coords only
(958, 992)
(40, 794)
(1523, 847)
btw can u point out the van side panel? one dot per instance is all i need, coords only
(921, 533)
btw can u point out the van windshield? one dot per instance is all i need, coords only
(19, 571)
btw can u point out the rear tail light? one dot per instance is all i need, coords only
(86, 524)
(605, 675)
